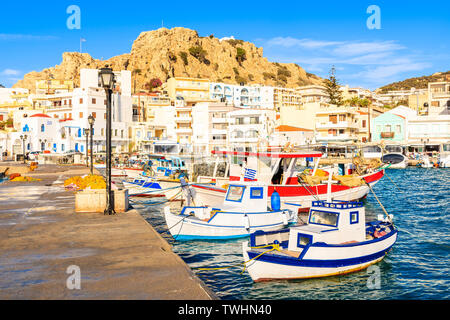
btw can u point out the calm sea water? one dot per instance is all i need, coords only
(418, 267)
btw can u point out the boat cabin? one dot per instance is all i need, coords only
(246, 197)
(335, 222)
(169, 165)
(277, 168)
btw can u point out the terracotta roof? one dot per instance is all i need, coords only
(398, 115)
(40, 115)
(286, 128)
(362, 112)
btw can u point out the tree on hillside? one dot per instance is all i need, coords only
(332, 88)
(240, 55)
(154, 83)
(135, 72)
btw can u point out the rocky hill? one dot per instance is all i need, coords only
(417, 82)
(181, 52)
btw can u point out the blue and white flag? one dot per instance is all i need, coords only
(250, 174)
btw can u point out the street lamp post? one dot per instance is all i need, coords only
(106, 81)
(86, 133)
(91, 121)
(23, 138)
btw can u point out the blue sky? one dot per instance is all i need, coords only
(414, 38)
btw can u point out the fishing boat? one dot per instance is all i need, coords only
(394, 156)
(444, 156)
(122, 172)
(243, 211)
(335, 241)
(281, 171)
(144, 186)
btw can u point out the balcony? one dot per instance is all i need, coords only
(340, 124)
(340, 137)
(387, 135)
(183, 119)
(441, 94)
(183, 130)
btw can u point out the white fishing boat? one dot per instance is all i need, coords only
(395, 157)
(154, 187)
(335, 241)
(243, 211)
(280, 171)
(444, 156)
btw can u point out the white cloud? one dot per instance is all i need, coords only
(305, 43)
(372, 63)
(9, 36)
(10, 72)
(357, 48)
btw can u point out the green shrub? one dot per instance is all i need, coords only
(199, 53)
(268, 75)
(183, 56)
(234, 42)
(240, 55)
(240, 79)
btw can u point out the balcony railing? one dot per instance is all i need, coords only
(387, 135)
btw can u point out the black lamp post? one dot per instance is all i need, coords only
(86, 133)
(91, 121)
(23, 138)
(106, 81)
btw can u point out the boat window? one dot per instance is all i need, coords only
(303, 240)
(235, 193)
(354, 217)
(323, 218)
(256, 193)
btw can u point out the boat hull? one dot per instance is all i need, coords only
(320, 260)
(222, 225)
(157, 188)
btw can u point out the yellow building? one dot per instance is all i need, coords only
(286, 97)
(337, 125)
(52, 86)
(417, 100)
(191, 89)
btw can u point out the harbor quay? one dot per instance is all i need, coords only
(49, 252)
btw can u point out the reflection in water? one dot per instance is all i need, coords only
(416, 268)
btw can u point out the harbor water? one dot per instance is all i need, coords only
(417, 267)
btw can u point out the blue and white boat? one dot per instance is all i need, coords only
(167, 166)
(244, 211)
(336, 240)
(154, 187)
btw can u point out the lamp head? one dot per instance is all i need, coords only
(106, 78)
(91, 120)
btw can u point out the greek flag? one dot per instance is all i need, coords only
(250, 174)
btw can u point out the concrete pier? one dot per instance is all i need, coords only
(43, 243)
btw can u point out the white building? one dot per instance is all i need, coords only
(249, 130)
(243, 96)
(74, 108)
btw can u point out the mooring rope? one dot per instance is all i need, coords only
(275, 247)
(379, 202)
